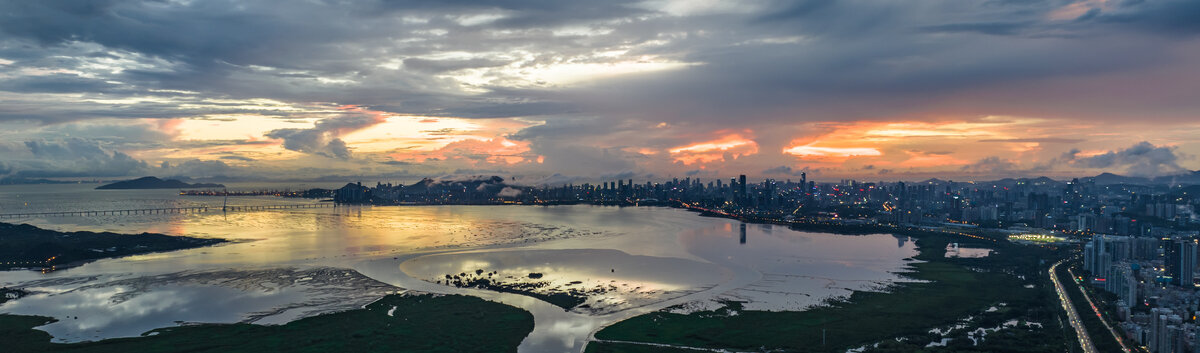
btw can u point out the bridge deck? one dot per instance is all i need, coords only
(167, 210)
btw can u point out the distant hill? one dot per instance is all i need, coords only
(1191, 178)
(1113, 179)
(154, 183)
(483, 184)
(1039, 181)
(24, 181)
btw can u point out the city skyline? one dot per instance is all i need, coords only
(562, 91)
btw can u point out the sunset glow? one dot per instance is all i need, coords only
(609, 176)
(733, 145)
(659, 88)
(810, 150)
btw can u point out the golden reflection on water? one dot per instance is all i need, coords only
(314, 235)
(642, 255)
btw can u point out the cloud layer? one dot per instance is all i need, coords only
(912, 88)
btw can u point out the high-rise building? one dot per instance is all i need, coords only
(742, 190)
(1146, 248)
(1164, 330)
(1121, 280)
(1187, 263)
(1181, 262)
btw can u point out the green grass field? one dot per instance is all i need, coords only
(420, 323)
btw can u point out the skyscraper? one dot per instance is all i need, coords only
(1181, 262)
(742, 186)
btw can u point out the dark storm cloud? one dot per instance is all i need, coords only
(59, 83)
(1172, 17)
(991, 166)
(201, 169)
(118, 135)
(238, 158)
(323, 137)
(565, 128)
(746, 67)
(786, 170)
(848, 51)
(799, 9)
(73, 157)
(584, 160)
(529, 13)
(1141, 159)
(439, 66)
(311, 141)
(993, 28)
(201, 32)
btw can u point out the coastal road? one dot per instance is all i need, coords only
(1116, 335)
(1085, 341)
(661, 345)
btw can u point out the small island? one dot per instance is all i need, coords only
(29, 247)
(154, 183)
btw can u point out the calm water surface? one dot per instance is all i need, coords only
(287, 264)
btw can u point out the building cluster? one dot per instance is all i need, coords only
(1075, 207)
(1142, 248)
(307, 193)
(479, 190)
(1154, 282)
(1080, 206)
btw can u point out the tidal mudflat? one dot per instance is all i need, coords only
(612, 263)
(98, 307)
(409, 322)
(596, 281)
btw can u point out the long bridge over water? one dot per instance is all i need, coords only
(166, 210)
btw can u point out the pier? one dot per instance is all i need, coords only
(168, 210)
(275, 207)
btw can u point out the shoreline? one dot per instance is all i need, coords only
(638, 311)
(22, 246)
(922, 275)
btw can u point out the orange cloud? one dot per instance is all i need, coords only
(922, 160)
(811, 150)
(171, 127)
(473, 151)
(733, 145)
(376, 117)
(867, 141)
(1076, 9)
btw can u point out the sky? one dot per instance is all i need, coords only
(555, 91)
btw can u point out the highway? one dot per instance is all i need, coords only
(1116, 335)
(1085, 341)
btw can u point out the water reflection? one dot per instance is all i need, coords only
(117, 305)
(609, 280)
(795, 270)
(654, 257)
